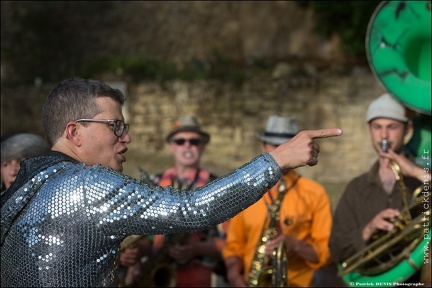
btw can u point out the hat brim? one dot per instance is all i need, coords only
(274, 140)
(205, 136)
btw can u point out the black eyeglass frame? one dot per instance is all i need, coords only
(192, 141)
(117, 129)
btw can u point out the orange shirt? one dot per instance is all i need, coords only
(305, 214)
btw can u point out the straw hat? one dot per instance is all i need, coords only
(188, 124)
(278, 130)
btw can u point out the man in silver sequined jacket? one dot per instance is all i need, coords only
(64, 217)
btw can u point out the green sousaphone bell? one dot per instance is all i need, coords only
(398, 47)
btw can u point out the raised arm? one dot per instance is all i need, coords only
(302, 150)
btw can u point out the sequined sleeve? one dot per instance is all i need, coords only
(64, 226)
(121, 203)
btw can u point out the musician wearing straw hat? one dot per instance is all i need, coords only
(373, 201)
(304, 221)
(198, 258)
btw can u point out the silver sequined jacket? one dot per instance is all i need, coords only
(63, 226)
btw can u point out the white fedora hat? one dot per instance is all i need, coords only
(278, 130)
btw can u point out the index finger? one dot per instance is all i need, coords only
(324, 133)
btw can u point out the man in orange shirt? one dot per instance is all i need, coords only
(304, 221)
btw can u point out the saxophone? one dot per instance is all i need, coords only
(158, 269)
(268, 271)
(124, 272)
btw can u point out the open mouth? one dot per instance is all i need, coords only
(187, 154)
(121, 153)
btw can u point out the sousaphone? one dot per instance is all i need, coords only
(398, 47)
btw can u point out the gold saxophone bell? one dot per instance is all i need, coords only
(280, 260)
(276, 274)
(158, 269)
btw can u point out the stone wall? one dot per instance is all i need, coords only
(232, 115)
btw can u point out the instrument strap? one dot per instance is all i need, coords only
(176, 183)
(281, 195)
(283, 192)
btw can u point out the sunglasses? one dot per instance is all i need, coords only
(192, 141)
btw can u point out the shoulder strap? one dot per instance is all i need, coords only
(283, 190)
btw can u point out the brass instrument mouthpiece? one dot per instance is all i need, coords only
(384, 145)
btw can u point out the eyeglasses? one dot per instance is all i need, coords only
(119, 127)
(192, 141)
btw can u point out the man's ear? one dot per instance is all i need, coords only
(409, 130)
(73, 133)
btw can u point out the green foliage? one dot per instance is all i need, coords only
(143, 67)
(54, 40)
(349, 19)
